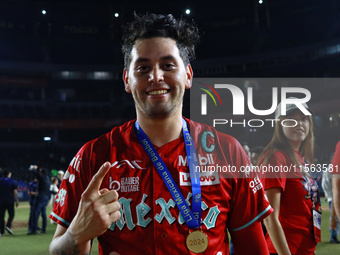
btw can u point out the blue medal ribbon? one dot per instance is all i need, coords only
(191, 217)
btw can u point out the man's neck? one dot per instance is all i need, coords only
(161, 131)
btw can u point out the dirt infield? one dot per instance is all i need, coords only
(19, 224)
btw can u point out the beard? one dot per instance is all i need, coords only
(159, 110)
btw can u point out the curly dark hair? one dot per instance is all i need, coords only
(157, 25)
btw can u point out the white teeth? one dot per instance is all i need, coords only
(158, 92)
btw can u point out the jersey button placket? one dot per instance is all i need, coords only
(160, 236)
(156, 185)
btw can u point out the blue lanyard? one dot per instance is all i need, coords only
(191, 217)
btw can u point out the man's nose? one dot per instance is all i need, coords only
(156, 75)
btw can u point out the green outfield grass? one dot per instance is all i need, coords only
(325, 247)
(21, 243)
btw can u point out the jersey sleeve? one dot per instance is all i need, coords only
(274, 178)
(73, 185)
(336, 160)
(250, 239)
(248, 202)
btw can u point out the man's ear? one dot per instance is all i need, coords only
(126, 79)
(190, 76)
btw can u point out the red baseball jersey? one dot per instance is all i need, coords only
(296, 206)
(150, 221)
(336, 160)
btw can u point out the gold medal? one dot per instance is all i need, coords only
(197, 241)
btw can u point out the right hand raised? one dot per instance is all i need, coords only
(97, 210)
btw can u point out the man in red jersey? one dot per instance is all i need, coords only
(165, 206)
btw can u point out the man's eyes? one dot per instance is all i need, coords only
(143, 68)
(146, 68)
(169, 66)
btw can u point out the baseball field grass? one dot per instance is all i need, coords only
(21, 243)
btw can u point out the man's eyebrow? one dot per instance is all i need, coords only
(143, 60)
(168, 57)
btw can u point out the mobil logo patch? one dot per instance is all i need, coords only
(206, 178)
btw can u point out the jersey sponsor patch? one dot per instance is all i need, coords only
(133, 164)
(206, 178)
(125, 184)
(203, 160)
(144, 217)
(255, 185)
(76, 162)
(69, 177)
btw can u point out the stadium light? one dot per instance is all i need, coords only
(47, 138)
(187, 11)
(43, 12)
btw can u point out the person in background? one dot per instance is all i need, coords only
(8, 197)
(60, 176)
(42, 201)
(336, 183)
(32, 192)
(292, 193)
(54, 190)
(255, 155)
(327, 188)
(246, 148)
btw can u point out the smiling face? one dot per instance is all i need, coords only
(296, 135)
(157, 77)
